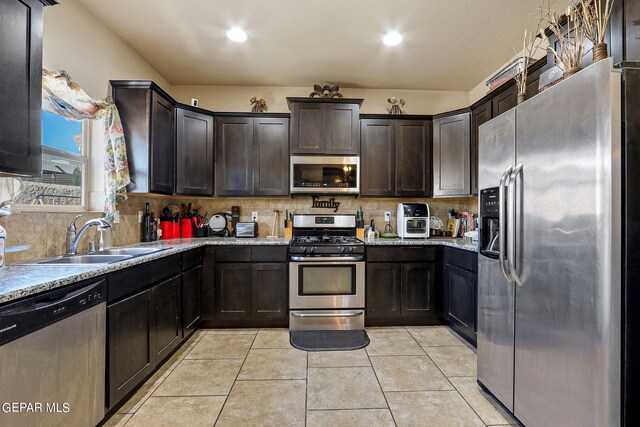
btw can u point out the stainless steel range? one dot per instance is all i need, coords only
(326, 274)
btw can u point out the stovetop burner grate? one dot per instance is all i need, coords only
(331, 240)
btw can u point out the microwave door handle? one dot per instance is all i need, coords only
(502, 224)
(511, 221)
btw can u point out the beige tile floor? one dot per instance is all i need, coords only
(414, 376)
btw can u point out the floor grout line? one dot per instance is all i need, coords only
(306, 392)
(393, 418)
(452, 384)
(235, 380)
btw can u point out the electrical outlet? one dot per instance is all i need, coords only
(254, 216)
(140, 213)
(387, 216)
(116, 217)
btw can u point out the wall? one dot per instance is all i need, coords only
(75, 41)
(236, 98)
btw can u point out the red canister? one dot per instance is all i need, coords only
(167, 229)
(186, 226)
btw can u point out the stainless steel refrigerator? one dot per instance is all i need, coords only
(550, 292)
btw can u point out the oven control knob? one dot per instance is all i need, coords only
(342, 249)
(350, 249)
(304, 249)
(312, 249)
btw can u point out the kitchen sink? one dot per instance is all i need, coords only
(83, 259)
(133, 251)
(107, 256)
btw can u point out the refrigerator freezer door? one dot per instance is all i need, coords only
(495, 294)
(567, 313)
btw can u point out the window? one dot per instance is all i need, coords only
(62, 182)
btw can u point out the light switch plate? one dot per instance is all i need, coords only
(116, 217)
(140, 213)
(254, 216)
(387, 216)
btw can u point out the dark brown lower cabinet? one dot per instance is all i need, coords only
(191, 299)
(418, 286)
(460, 287)
(250, 291)
(143, 329)
(167, 324)
(460, 292)
(383, 292)
(269, 290)
(232, 291)
(130, 343)
(400, 293)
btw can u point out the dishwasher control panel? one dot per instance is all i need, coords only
(32, 313)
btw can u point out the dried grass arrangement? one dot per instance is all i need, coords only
(571, 36)
(595, 19)
(531, 43)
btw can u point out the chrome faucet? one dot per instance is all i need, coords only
(101, 222)
(71, 233)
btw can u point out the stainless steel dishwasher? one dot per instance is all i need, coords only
(52, 357)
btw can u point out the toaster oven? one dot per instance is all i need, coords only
(413, 220)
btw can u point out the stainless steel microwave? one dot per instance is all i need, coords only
(325, 174)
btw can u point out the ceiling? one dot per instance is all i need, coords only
(448, 45)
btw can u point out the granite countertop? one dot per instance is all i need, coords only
(454, 243)
(21, 280)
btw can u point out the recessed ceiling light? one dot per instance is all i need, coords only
(393, 38)
(237, 35)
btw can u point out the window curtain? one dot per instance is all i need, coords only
(63, 96)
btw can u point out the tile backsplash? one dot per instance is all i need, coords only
(46, 232)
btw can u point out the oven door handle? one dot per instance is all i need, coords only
(326, 259)
(346, 314)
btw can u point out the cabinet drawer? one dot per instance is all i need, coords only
(418, 253)
(164, 268)
(269, 254)
(461, 258)
(384, 254)
(128, 281)
(233, 254)
(191, 259)
(401, 254)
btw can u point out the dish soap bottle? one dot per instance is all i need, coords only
(371, 235)
(3, 240)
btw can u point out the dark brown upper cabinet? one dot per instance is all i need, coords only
(194, 151)
(479, 115)
(396, 157)
(252, 155)
(452, 155)
(505, 100)
(325, 126)
(271, 156)
(147, 114)
(21, 86)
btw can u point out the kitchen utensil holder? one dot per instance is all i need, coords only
(186, 228)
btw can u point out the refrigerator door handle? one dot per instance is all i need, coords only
(501, 220)
(511, 224)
